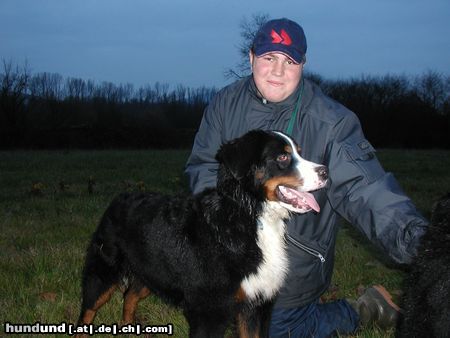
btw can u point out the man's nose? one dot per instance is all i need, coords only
(278, 68)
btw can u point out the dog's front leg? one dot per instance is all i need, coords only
(211, 324)
(253, 321)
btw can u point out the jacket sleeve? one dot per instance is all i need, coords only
(368, 197)
(201, 167)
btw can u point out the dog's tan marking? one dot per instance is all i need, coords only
(272, 184)
(259, 174)
(240, 295)
(130, 302)
(89, 314)
(288, 149)
(242, 328)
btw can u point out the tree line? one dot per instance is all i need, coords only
(45, 110)
(397, 110)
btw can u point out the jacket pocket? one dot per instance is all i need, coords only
(306, 248)
(362, 154)
(307, 266)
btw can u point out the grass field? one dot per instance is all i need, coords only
(50, 203)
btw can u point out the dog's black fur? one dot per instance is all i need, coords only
(426, 302)
(193, 251)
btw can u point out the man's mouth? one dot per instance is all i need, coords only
(275, 83)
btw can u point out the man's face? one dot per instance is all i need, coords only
(276, 75)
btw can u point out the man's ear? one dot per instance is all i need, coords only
(251, 57)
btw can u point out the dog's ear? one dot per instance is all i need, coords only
(228, 157)
(241, 154)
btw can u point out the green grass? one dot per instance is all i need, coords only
(47, 215)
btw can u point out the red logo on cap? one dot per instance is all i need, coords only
(282, 38)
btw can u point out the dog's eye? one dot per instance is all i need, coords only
(283, 158)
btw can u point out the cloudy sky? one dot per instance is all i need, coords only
(192, 42)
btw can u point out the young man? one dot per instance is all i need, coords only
(277, 97)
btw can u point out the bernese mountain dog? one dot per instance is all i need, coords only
(219, 255)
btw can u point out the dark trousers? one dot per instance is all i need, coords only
(314, 320)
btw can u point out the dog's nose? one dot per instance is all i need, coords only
(322, 172)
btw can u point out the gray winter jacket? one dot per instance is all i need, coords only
(359, 189)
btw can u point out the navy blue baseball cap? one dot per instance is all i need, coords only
(282, 36)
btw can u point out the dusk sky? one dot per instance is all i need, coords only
(192, 42)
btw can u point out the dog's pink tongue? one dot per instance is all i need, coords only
(311, 201)
(299, 197)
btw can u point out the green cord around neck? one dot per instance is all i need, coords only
(290, 126)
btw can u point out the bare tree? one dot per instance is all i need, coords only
(48, 86)
(76, 88)
(248, 30)
(14, 83)
(432, 89)
(161, 91)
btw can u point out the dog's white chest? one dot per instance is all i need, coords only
(269, 277)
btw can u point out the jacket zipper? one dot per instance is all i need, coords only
(305, 248)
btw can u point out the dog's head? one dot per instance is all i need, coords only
(267, 165)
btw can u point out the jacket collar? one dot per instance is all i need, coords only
(289, 102)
